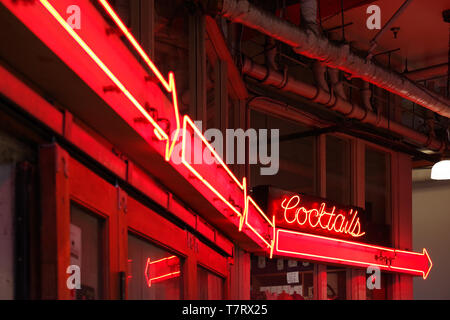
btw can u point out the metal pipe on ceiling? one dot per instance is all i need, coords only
(316, 94)
(306, 42)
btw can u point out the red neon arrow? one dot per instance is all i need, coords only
(324, 249)
(162, 269)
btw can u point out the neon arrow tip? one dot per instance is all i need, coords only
(425, 274)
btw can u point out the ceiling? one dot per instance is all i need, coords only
(423, 38)
(327, 8)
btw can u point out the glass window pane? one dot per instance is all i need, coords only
(15, 155)
(378, 210)
(7, 231)
(87, 252)
(336, 283)
(153, 273)
(210, 285)
(172, 45)
(338, 170)
(281, 279)
(297, 157)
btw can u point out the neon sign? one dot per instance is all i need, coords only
(344, 222)
(162, 269)
(272, 233)
(160, 133)
(350, 253)
(310, 214)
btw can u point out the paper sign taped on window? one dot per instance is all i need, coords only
(292, 277)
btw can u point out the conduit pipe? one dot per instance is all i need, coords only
(338, 104)
(366, 95)
(308, 15)
(306, 42)
(336, 84)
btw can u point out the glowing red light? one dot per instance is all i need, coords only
(135, 44)
(296, 244)
(160, 132)
(270, 222)
(300, 215)
(188, 122)
(289, 243)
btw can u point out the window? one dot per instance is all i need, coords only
(336, 283)
(297, 156)
(281, 279)
(17, 200)
(7, 232)
(210, 285)
(338, 170)
(378, 210)
(86, 237)
(171, 31)
(153, 273)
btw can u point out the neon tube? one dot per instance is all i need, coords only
(186, 121)
(161, 269)
(347, 226)
(370, 252)
(102, 66)
(135, 44)
(169, 86)
(166, 276)
(212, 150)
(163, 136)
(160, 260)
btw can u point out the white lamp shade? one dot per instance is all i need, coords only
(441, 170)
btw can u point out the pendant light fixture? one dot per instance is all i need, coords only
(441, 170)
